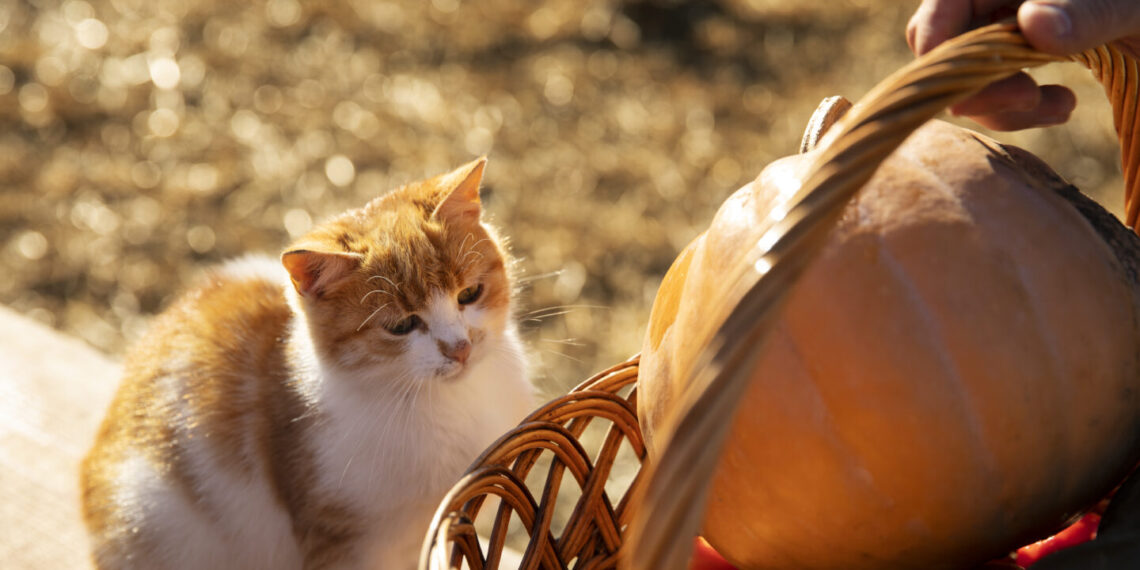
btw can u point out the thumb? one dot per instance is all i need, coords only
(1065, 27)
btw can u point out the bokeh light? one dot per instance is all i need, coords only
(142, 140)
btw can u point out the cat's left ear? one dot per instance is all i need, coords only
(461, 200)
(314, 269)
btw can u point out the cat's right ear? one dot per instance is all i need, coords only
(313, 270)
(461, 199)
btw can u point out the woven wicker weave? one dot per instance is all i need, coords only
(654, 519)
(593, 534)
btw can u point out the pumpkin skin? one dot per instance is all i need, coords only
(954, 376)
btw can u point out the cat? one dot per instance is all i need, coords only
(312, 413)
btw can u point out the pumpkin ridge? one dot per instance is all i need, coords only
(1034, 200)
(1118, 238)
(1056, 367)
(932, 170)
(1041, 187)
(931, 178)
(939, 346)
(856, 468)
(1035, 197)
(924, 176)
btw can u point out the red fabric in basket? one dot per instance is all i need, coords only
(1084, 530)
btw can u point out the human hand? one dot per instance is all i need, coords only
(1059, 27)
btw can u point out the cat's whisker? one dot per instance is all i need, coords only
(464, 254)
(560, 307)
(384, 291)
(409, 383)
(463, 269)
(472, 246)
(401, 386)
(531, 278)
(360, 425)
(548, 312)
(512, 350)
(472, 260)
(564, 341)
(431, 397)
(344, 473)
(390, 282)
(410, 395)
(539, 318)
(378, 309)
(392, 411)
(562, 354)
(415, 400)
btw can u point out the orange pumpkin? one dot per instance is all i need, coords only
(954, 376)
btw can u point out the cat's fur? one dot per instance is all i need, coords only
(295, 414)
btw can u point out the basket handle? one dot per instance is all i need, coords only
(671, 504)
(1117, 72)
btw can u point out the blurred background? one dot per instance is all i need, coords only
(143, 140)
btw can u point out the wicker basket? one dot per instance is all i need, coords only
(593, 534)
(651, 520)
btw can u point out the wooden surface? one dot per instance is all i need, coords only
(53, 392)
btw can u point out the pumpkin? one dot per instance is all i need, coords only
(955, 375)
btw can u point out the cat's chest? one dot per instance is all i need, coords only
(404, 450)
(393, 453)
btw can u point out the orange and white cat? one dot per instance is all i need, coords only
(312, 413)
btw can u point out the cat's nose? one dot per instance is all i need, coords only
(458, 351)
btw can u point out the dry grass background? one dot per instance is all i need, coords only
(141, 140)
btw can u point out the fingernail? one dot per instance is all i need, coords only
(1054, 18)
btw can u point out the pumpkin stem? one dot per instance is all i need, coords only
(826, 114)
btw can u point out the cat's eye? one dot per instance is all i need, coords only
(470, 294)
(405, 325)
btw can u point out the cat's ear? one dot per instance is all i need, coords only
(461, 193)
(313, 268)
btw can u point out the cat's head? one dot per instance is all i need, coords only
(414, 283)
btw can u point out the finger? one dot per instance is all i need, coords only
(1056, 104)
(1016, 93)
(936, 21)
(1067, 26)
